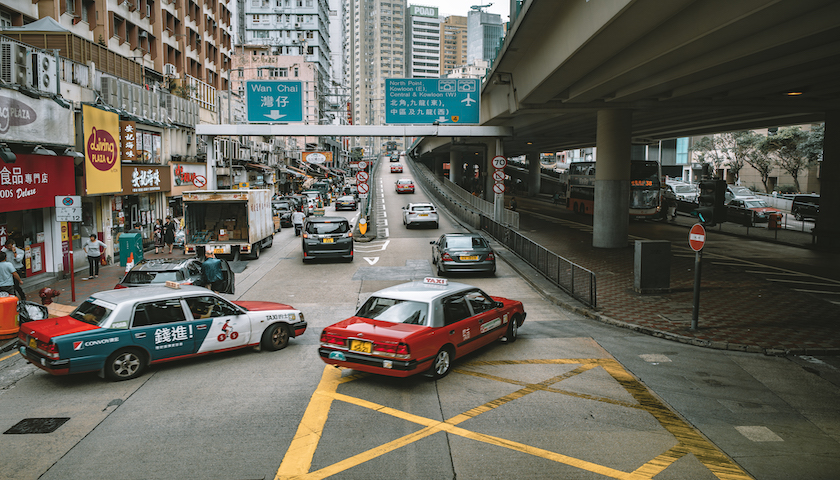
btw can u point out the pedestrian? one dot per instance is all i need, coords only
(556, 198)
(169, 233)
(513, 203)
(93, 252)
(14, 255)
(8, 276)
(297, 221)
(211, 270)
(158, 235)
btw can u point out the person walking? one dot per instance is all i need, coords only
(9, 279)
(92, 250)
(158, 235)
(513, 203)
(169, 233)
(211, 270)
(297, 221)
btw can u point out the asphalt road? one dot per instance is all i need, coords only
(572, 398)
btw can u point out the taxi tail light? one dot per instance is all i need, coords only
(49, 348)
(398, 350)
(330, 339)
(491, 256)
(446, 257)
(119, 285)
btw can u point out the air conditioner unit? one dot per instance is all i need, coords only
(110, 91)
(13, 66)
(189, 139)
(143, 34)
(137, 99)
(169, 70)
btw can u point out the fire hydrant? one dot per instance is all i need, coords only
(47, 294)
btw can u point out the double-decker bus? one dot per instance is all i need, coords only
(645, 187)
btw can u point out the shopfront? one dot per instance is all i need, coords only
(141, 201)
(186, 177)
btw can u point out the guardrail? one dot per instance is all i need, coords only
(575, 280)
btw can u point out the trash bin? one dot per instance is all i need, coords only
(131, 244)
(9, 324)
(774, 221)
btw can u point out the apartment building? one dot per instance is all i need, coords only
(453, 43)
(422, 42)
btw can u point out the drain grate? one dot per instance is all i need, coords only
(37, 425)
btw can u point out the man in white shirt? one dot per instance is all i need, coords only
(14, 255)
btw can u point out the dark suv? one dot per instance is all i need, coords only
(805, 206)
(330, 237)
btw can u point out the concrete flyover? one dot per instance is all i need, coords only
(616, 73)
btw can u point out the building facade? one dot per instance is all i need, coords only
(484, 30)
(422, 42)
(453, 44)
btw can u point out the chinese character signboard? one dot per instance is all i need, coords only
(33, 181)
(188, 176)
(274, 101)
(137, 179)
(29, 120)
(128, 141)
(317, 157)
(428, 100)
(102, 155)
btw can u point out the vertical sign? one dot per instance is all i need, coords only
(102, 155)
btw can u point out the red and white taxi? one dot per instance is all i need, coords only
(397, 168)
(121, 332)
(405, 185)
(420, 327)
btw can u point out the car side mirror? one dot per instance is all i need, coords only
(499, 304)
(433, 242)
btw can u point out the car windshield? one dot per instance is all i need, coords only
(466, 242)
(422, 208)
(346, 199)
(322, 228)
(93, 311)
(405, 182)
(741, 191)
(755, 204)
(395, 311)
(683, 189)
(145, 277)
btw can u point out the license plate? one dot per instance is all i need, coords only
(32, 343)
(360, 346)
(329, 240)
(469, 258)
(423, 215)
(218, 250)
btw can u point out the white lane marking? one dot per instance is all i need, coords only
(759, 434)
(387, 233)
(654, 358)
(372, 246)
(371, 260)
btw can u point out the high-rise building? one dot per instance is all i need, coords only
(422, 42)
(483, 33)
(453, 43)
(375, 51)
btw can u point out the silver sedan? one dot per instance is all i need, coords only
(463, 252)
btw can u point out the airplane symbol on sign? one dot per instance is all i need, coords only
(469, 100)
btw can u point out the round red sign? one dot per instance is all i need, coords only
(363, 188)
(498, 188)
(102, 150)
(697, 237)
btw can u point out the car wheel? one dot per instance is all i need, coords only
(442, 363)
(275, 337)
(255, 254)
(124, 365)
(270, 242)
(436, 225)
(513, 330)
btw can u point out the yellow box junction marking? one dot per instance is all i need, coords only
(298, 458)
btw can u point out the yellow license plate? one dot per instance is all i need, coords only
(360, 346)
(218, 250)
(469, 258)
(32, 343)
(423, 215)
(329, 240)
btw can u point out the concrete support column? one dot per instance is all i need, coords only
(437, 165)
(534, 174)
(612, 180)
(456, 174)
(828, 223)
(498, 198)
(212, 184)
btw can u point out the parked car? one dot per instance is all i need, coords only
(420, 327)
(346, 202)
(330, 237)
(420, 214)
(749, 211)
(405, 185)
(283, 210)
(805, 206)
(397, 168)
(735, 191)
(183, 271)
(352, 190)
(119, 333)
(463, 252)
(685, 191)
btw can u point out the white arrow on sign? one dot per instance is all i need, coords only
(371, 260)
(275, 115)
(442, 119)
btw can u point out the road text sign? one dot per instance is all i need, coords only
(274, 101)
(697, 237)
(424, 101)
(499, 176)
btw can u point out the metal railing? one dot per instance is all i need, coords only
(575, 280)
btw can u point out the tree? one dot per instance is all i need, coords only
(707, 152)
(786, 148)
(812, 148)
(749, 147)
(722, 149)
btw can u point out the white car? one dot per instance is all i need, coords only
(685, 191)
(419, 214)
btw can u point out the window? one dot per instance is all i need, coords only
(156, 313)
(396, 311)
(210, 307)
(479, 301)
(455, 309)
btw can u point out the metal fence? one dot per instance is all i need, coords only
(572, 278)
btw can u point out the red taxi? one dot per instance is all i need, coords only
(396, 168)
(420, 327)
(405, 185)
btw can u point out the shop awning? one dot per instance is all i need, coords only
(290, 171)
(296, 171)
(258, 166)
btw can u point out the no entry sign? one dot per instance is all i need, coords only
(697, 237)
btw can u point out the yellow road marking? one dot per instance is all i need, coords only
(9, 356)
(298, 459)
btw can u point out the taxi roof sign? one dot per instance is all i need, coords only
(435, 281)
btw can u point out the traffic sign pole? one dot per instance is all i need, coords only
(696, 240)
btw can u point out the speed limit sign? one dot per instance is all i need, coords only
(499, 162)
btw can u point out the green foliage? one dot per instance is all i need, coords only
(787, 149)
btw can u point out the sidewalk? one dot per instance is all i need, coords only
(742, 306)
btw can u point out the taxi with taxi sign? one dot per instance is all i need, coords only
(405, 185)
(119, 333)
(420, 327)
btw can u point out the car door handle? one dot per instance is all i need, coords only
(139, 335)
(452, 332)
(201, 327)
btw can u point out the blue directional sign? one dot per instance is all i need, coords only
(448, 101)
(274, 101)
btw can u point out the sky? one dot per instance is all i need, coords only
(462, 7)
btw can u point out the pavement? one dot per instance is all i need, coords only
(743, 307)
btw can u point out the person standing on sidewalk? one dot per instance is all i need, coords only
(169, 233)
(211, 270)
(92, 250)
(9, 279)
(158, 235)
(14, 255)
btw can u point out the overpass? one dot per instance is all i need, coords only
(614, 73)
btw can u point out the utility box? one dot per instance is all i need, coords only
(131, 243)
(652, 266)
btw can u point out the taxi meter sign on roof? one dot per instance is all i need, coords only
(697, 237)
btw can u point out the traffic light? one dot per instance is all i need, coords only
(710, 202)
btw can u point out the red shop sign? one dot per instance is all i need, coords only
(34, 181)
